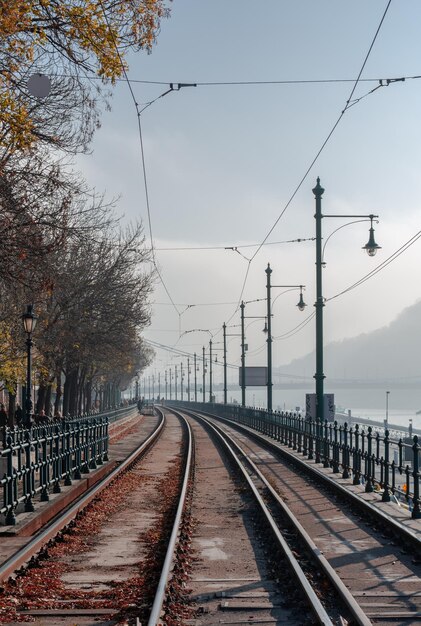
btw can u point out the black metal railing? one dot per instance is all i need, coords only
(41, 458)
(391, 466)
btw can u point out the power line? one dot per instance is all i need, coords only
(145, 181)
(348, 104)
(234, 83)
(381, 266)
(234, 248)
(296, 329)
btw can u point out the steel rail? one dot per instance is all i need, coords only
(315, 604)
(40, 539)
(160, 595)
(406, 534)
(349, 600)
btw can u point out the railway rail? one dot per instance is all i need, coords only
(98, 562)
(377, 564)
(295, 552)
(215, 525)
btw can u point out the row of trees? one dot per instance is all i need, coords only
(62, 246)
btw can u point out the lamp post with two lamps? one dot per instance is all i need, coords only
(371, 248)
(268, 327)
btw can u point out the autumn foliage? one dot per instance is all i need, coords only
(83, 38)
(63, 248)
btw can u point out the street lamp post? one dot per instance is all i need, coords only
(204, 371)
(29, 320)
(268, 328)
(224, 328)
(210, 370)
(386, 424)
(243, 358)
(195, 377)
(371, 248)
(188, 379)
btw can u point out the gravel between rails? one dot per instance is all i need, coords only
(106, 563)
(233, 579)
(381, 574)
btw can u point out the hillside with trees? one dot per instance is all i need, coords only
(389, 353)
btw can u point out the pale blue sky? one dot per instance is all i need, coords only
(222, 161)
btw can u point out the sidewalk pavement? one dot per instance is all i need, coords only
(132, 434)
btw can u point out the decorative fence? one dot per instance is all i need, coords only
(35, 460)
(377, 461)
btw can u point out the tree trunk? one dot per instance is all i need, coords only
(88, 396)
(12, 408)
(42, 392)
(48, 407)
(58, 394)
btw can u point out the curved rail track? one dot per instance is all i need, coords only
(374, 572)
(85, 583)
(212, 527)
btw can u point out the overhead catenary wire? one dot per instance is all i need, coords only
(381, 266)
(348, 104)
(145, 180)
(234, 83)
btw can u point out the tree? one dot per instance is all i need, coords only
(95, 313)
(72, 41)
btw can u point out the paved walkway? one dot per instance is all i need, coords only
(398, 513)
(132, 433)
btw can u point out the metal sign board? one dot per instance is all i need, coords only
(254, 376)
(329, 406)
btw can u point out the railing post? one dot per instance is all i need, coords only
(369, 487)
(335, 466)
(299, 422)
(345, 453)
(29, 482)
(386, 492)
(310, 425)
(93, 444)
(57, 469)
(416, 513)
(11, 478)
(356, 458)
(317, 437)
(106, 440)
(68, 454)
(326, 462)
(45, 495)
(78, 452)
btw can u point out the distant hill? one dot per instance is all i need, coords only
(391, 352)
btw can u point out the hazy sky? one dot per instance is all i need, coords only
(222, 162)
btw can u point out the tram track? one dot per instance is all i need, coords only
(78, 573)
(149, 555)
(299, 555)
(378, 569)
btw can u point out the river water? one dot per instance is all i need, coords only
(366, 403)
